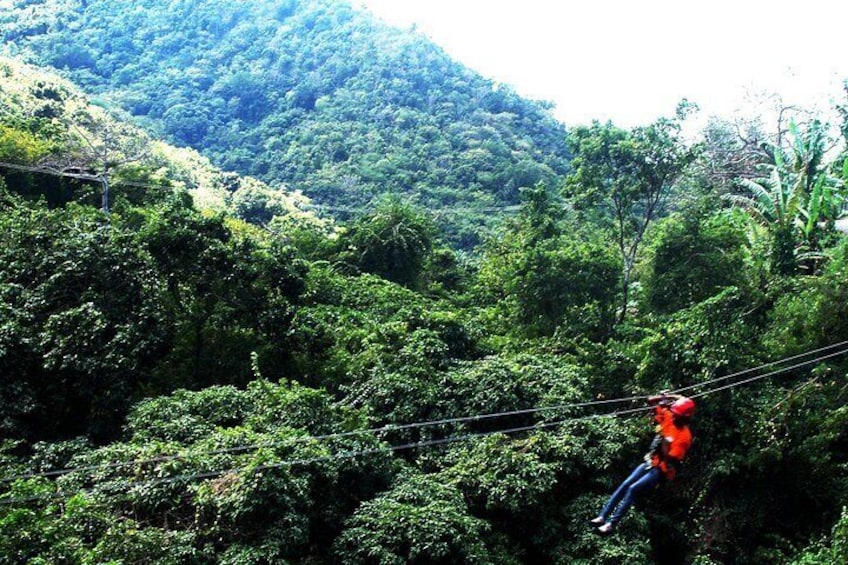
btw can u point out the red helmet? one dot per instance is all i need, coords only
(684, 407)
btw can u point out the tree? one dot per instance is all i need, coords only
(629, 175)
(547, 275)
(419, 520)
(393, 242)
(694, 255)
(320, 110)
(81, 312)
(227, 294)
(731, 150)
(21, 146)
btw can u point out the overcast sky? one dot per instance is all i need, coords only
(632, 61)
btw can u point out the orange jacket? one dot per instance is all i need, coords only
(677, 439)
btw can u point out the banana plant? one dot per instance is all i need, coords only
(825, 205)
(771, 201)
(797, 201)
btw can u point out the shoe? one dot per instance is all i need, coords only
(597, 521)
(606, 528)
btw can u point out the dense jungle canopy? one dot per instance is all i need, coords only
(199, 366)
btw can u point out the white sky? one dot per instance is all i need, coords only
(632, 61)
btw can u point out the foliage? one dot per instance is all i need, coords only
(61, 534)
(393, 243)
(90, 305)
(798, 202)
(624, 178)
(80, 148)
(182, 386)
(20, 145)
(227, 295)
(834, 550)
(498, 475)
(81, 306)
(809, 312)
(551, 278)
(692, 257)
(712, 336)
(314, 94)
(419, 519)
(586, 547)
(251, 502)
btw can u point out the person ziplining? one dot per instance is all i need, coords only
(672, 413)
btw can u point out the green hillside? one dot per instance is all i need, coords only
(48, 124)
(310, 93)
(198, 371)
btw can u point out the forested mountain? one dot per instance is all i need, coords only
(47, 124)
(311, 93)
(197, 371)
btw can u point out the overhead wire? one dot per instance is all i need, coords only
(415, 424)
(507, 208)
(45, 171)
(435, 210)
(766, 375)
(85, 176)
(439, 441)
(389, 427)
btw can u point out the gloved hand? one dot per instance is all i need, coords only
(664, 398)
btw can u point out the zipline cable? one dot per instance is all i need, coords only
(336, 456)
(401, 447)
(765, 365)
(431, 423)
(763, 376)
(338, 435)
(435, 442)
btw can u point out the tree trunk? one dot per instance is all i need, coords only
(625, 291)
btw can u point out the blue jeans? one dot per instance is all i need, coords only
(641, 480)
